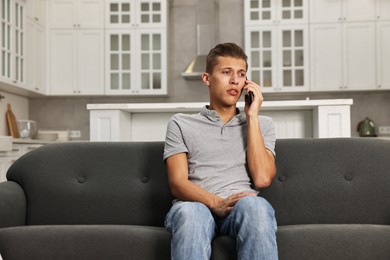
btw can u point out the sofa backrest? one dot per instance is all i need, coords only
(331, 181)
(94, 183)
(323, 181)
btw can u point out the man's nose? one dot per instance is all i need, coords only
(234, 79)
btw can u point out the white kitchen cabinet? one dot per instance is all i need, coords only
(67, 14)
(383, 55)
(342, 56)
(383, 9)
(35, 10)
(276, 12)
(5, 163)
(276, 42)
(136, 13)
(35, 57)
(12, 42)
(76, 62)
(278, 57)
(342, 10)
(136, 47)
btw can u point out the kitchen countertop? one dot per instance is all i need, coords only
(196, 106)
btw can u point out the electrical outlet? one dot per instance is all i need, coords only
(75, 134)
(384, 130)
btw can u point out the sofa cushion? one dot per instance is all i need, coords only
(85, 242)
(94, 183)
(331, 181)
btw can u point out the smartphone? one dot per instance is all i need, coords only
(249, 96)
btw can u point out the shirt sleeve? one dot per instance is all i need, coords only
(174, 142)
(267, 128)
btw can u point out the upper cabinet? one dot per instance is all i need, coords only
(76, 43)
(85, 14)
(136, 47)
(12, 42)
(342, 10)
(276, 41)
(35, 10)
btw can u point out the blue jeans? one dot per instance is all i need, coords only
(252, 223)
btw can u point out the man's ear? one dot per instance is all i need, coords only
(206, 79)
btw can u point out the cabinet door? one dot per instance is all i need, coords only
(90, 53)
(326, 66)
(63, 14)
(90, 13)
(152, 60)
(150, 13)
(326, 11)
(383, 55)
(35, 10)
(120, 64)
(62, 61)
(359, 10)
(6, 32)
(359, 55)
(258, 11)
(292, 11)
(18, 41)
(383, 9)
(293, 58)
(120, 14)
(261, 46)
(35, 57)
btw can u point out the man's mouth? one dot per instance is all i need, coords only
(233, 92)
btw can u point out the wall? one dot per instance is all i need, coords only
(70, 112)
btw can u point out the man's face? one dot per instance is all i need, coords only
(226, 81)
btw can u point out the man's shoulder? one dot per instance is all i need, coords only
(182, 117)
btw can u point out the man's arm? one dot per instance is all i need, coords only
(261, 161)
(185, 190)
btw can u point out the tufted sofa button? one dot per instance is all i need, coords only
(81, 179)
(348, 177)
(145, 179)
(282, 178)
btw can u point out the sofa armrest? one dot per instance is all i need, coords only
(12, 205)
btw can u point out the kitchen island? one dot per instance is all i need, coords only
(307, 118)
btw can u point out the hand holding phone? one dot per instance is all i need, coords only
(249, 97)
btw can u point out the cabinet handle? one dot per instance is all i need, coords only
(36, 19)
(379, 86)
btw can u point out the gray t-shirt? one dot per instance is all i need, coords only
(216, 152)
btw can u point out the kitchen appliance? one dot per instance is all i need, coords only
(27, 128)
(366, 128)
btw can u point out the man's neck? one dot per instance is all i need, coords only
(225, 113)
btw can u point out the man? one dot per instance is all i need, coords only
(216, 162)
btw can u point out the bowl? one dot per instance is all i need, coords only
(27, 128)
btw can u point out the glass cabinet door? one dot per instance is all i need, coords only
(276, 11)
(262, 61)
(6, 39)
(152, 57)
(19, 43)
(151, 13)
(119, 61)
(120, 14)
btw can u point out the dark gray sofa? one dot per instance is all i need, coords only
(108, 201)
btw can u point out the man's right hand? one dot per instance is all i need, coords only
(223, 207)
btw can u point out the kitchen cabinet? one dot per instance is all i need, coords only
(136, 47)
(383, 9)
(76, 62)
(342, 56)
(35, 10)
(259, 12)
(5, 163)
(12, 42)
(383, 55)
(68, 14)
(76, 42)
(35, 56)
(342, 10)
(276, 41)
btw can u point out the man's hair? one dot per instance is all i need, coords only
(228, 49)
